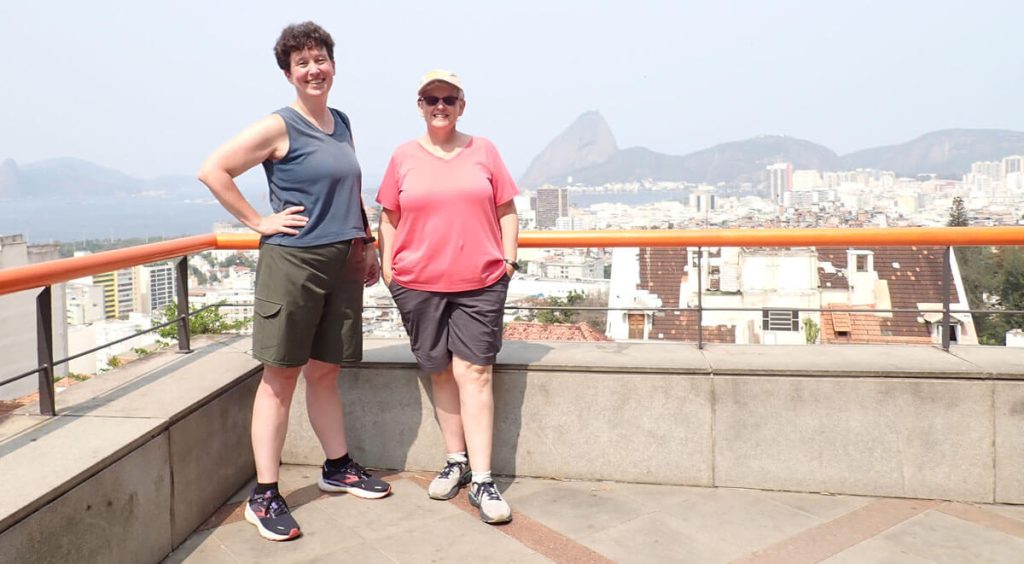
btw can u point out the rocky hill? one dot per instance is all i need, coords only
(947, 152)
(588, 141)
(587, 153)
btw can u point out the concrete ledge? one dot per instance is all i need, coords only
(116, 516)
(164, 424)
(882, 437)
(903, 421)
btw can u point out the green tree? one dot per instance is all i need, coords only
(238, 259)
(958, 214)
(206, 322)
(561, 316)
(811, 331)
(199, 274)
(999, 275)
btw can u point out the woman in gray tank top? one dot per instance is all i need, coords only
(316, 253)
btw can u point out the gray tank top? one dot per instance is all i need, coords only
(320, 173)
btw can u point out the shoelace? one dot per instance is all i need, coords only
(356, 469)
(488, 490)
(275, 504)
(450, 467)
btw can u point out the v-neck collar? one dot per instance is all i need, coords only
(315, 126)
(446, 159)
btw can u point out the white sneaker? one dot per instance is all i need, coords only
(493, 508)
(446, 484)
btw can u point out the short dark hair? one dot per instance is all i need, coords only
(297, 37)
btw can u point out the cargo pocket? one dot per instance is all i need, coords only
(266, 329)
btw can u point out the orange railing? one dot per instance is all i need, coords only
(46, 274)
(54, 272)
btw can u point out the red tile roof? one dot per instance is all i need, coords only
(661, 273)
(529, 331)
(914, 275)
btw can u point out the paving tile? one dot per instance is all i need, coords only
(941, 538)
(1011, 511)
(650, 497)
(657, 537)
(533, 559)
(578, 509)
(980, 516)
(321, 535)
(408, 508)
(739, 517)
(522, 487)
(876, 551)
(362, 553)
(457, 538)
(829, 538)
(201, 548)
(823, 506)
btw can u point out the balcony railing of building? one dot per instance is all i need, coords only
(44, 275)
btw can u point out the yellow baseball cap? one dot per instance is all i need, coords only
(439, 75)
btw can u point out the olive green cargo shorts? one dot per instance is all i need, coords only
(309, 303)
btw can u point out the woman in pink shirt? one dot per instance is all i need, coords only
(448, 241)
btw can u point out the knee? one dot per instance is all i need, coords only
(443, 377)
(279, 382)
(326, 375)
(474, 375)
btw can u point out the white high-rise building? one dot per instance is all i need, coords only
(1012, 164)
(154, 287)
(780, 180)
(18, 319)
(84, 303)
(807, 180)
(991, 169)
(552, 203)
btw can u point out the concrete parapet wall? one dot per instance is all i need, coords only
(883, 421)
(133, 463)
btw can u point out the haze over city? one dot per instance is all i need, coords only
(150, 89)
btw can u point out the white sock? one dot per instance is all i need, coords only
(458, 457)
(481, 477)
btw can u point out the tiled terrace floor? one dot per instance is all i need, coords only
(563, 521)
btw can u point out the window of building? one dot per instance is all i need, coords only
(780, 320)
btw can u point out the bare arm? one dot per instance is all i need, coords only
(508, 221)
(266, 139)
(386, 234)
(372, 274)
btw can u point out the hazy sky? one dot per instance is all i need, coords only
(152, 87)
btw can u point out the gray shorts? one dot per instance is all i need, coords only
(467, 324)
(309, 304)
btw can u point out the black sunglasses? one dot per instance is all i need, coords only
(433, 100)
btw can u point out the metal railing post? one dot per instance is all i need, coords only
(44, 351)
(184, 335)
(946, 282)
(700, 299)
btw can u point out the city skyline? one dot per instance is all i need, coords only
(153, 90)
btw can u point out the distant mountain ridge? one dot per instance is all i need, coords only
(576, 154)
(945, 152)
(72, 178)
(588, 153)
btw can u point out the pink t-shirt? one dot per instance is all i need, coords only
(448, 238)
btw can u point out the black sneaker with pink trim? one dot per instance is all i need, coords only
(353, 479)
(271, 515)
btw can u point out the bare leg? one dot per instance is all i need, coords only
(270, 419)
(477, 407)
(448, 409)
(323, 403)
